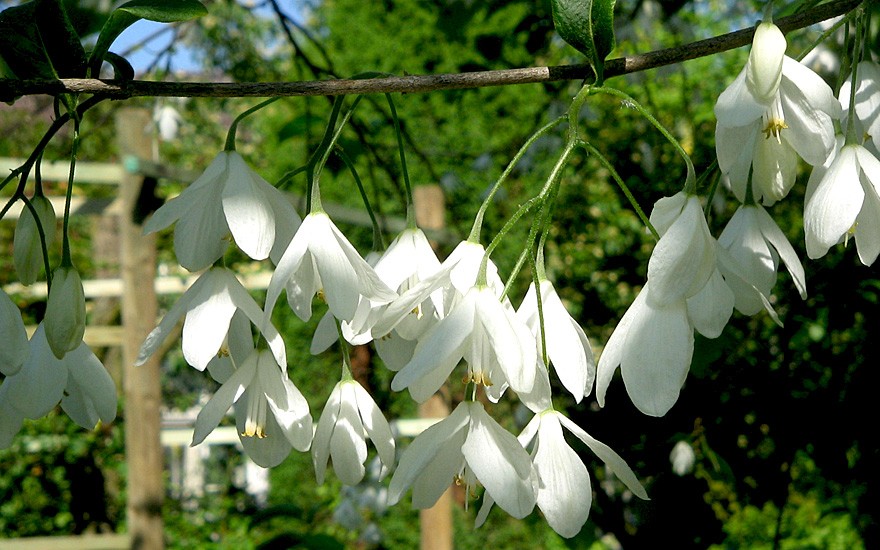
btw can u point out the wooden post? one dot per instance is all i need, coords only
(143, 395)
(435, 522)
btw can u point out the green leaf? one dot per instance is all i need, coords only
(37, 40)
(588, 26)
(162, 11)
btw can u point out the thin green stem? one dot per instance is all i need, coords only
(852, 136)
(830, 31)
(346, 356)
(474, 236)
(315, 194)
(316, 155)
(410, 204)
(378, 241)
(627, 193)
(690, 183)
(230, 136)
(65, 243)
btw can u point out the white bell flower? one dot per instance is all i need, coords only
(320, 261)
(349, 417)
(466, 447)
(456, 276)
(27, 250)
(568, 348)
(208, 306)
(229, 197)
(497, 346)
(78, 381)
(843, 200)
(272, 416)
(14, 350)
(654, 341)
(65, 311)
(776, 110)
(756, 244)
(564, 492)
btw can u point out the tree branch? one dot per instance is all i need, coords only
(416, 84)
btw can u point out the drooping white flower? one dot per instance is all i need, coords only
(756, 244)
(568, 348)
(455, 277)
(466, 447)
(682, 458)
(65, 311)
(78, 381)
(654, 342)
(272, 416)
(564, 493)
(349, 417)
(776, 110)
(11, 419)
(843, 199)
(13, 335)
(227, 198)
(498, 348)
(321, 261)
(27, 251)
(208, 306)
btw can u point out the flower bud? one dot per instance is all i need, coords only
(65, 320)
(27, 250)
(764, 69)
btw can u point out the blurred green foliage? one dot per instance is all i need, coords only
(776, 415)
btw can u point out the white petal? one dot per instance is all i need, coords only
(445, 436)
(500, 463)
(567, 345)
(39, 385)
(376, 426)
(11, 419)
(441, 348)
(289, 263)
(564, 494)
(611, 459)
(325, 334)
(247, 208)
(786, 252)
(867, 232)
(200, 235)
(684, 257)
(288, 406)
(612, 353)
(208, 318)
(710, 309)
(90, 394)
(65, 320)
(347, 446)
(14, 349)
(324, 431)
(217, 407)
(833, 207)
(516, 358)
(267, 452)
(736, 106)
(657, 356)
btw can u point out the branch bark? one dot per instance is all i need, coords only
(418, 83)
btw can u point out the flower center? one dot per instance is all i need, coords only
(255, 423)
(774, 120)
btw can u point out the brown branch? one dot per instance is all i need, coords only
(415, 84)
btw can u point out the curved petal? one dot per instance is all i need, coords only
(568, 349)
(217, 407)
(348, 449)
(289, 263)
(764, 67)
(786, 252)
(448, 434)
(500, 463)
(14, 349)
(611, 459)
(324, 431)
(289, 407)
(39, 385)
(657, 356)
(376, 426)
(247, 208)
(835, 204)
(736, 106)
(90, 395)
(208, 319)
(614, 349)
(266, 452)
(710, 309)
(564, 494)
(867, 232)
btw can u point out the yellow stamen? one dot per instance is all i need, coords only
(774, 128)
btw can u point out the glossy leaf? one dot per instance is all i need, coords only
(162, 11)
(37, 40)
(588, 26)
